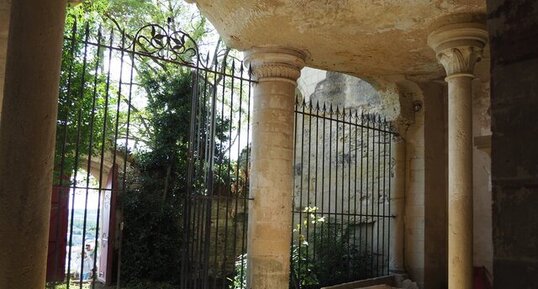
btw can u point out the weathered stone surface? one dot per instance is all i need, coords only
(346, 91)
(27, 134)
(513, 27)
(360, 37)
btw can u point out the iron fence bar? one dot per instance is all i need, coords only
(390, 201)
(190, 173)
(202, 197)
(382, 198)
(350, 241)
(155, 58)
(210, 180)
(372, 196)
(90, 152)
(101, 165)
(219, 165)
(77, 152)
(351, 215)
(323, 172)
(300, 227)
(116, 134)
(308, 181)
(322, 115)
(355, 223)
(125, 153)
(342, 197)
(238, 163)
(330, 166)
(63, 144)
(361, 185)
(202, 146)
(336, 122)
(368, 193)
(378, 192)
(247, 163)
(228, 180)
(316, 183)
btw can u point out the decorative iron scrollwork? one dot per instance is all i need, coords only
(156, 41)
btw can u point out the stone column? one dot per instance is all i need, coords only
(27, 134)
(271, 175)
(458, 48)
(397, 264)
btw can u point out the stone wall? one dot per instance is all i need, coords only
(347, 91)
(513, 29)
(483, 242)
(436, 186)
(414, 197)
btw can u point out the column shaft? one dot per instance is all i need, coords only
(271, 184)
(460, 183)
(27, 133)
(271, 177)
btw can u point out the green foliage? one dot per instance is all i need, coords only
(145, 284)
(326, 253)
(239, 281)
(83, 115)
(64, 286)
(322, 257)
(130, 15)
(152, 205)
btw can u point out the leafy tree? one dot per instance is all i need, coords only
(84, 119)
(153, 203)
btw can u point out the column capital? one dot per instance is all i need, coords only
(275, 63)
(458, 47)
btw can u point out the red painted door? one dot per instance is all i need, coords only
(58, 234)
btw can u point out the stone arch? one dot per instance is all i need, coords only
(389, 97)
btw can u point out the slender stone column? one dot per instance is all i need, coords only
(271, 177)
(397, 264)
(27, 133)
(458, 48)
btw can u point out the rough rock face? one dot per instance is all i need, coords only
(408, 284)
(345, 91)
(366, 38)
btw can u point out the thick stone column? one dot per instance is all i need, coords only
(271, 176)
(27, 133)
(458, 48)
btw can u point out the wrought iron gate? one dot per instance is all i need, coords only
(341, 206)
(149, 121)
(148, 125)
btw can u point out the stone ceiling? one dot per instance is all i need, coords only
(360, 37)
